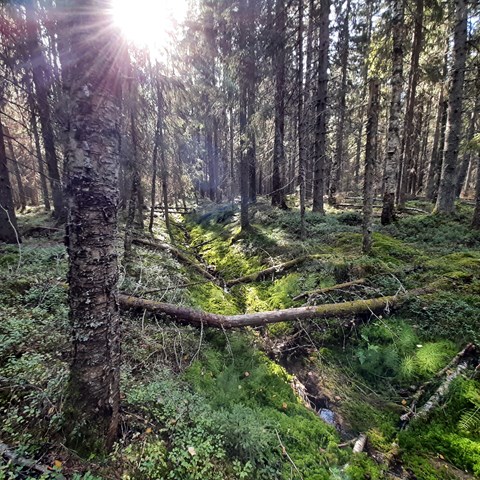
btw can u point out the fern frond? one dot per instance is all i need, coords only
(470, 421)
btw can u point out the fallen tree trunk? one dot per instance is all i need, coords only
(253, 277)
(182, 257)
(333, 310)
(442, 390)
(339, 286)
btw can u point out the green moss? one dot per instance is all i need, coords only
(362, 467)
(212, 298)
(441, 435)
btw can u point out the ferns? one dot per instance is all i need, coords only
(469, 422)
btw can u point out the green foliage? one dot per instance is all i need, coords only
(361, 467)
(444, 433)
(393, 350)
(449, 315)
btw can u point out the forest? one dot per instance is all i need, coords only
(240, 239)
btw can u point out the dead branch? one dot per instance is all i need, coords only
(9, 454)
(442, 389)
(339, 286)
(360, 443)
(333, 310)
(253, 277)
(182, 257)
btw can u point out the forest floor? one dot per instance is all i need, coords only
(286, 400)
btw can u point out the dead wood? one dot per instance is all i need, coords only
(334, 310)
(360, 443)
(178, 254)
(442, 389)
(9, 454)
(339, 286)
(253, 277)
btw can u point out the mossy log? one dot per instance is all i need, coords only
(333, 310)
(321, 291)
(178, 254)
(253, 277)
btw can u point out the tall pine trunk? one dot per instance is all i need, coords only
(409, 137)
(278, 193)
(321, 107)
(393, 154)
(446, 192)
(337, 164)
(40, 74)
(370, 161)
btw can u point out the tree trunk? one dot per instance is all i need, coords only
(16, 170)
(38, 148)
(370, 161)
(243, 87)
(40, 68)
(476, 213)
(301, 122)
(278, 193)
(334, 310)
(337, 164)
(92, 165)
(446, 192)
(321, 107)
(409, 135)
(393, 154)
(462, 173)
(8, 220)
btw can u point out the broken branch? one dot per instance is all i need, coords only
(339, 286)
(176, 253)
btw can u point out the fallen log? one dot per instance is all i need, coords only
(360, 443)
(436, 398)
(253, 277)
(412, 412)
(182, 257)
(321, 291)
(333, 310)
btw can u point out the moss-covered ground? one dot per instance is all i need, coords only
(208, 404)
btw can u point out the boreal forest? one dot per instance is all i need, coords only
(239, 239)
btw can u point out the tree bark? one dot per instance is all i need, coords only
(476, 212)
(8, 220)
(321, 108)
(16, 170)
(38, 148)
(40, 69)
(301, 122)
(278, 193)
(335, 310)
(370, 161)
(446, 193)
(462, 173)
(92, 163)
(408, 132)
(243, 87)
(337, 165)
(393, 154)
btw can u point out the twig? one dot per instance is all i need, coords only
(284, 451)
(19, 243)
